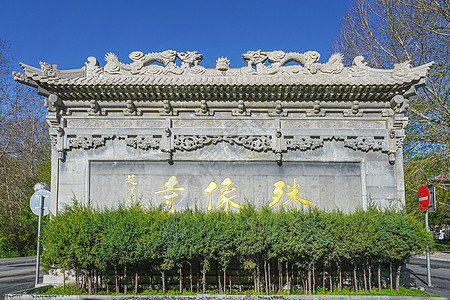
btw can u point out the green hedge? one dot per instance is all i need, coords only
(195, 250)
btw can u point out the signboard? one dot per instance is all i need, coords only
(432, 205)
(424, 198)
(35, 202)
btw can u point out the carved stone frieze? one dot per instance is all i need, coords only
(363, 144)
(86, 142)
(303, 143)
(193, 142)
(255, 143)
(143, 142)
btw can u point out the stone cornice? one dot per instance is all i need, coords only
(143, 80)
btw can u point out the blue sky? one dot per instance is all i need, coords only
(67, 32)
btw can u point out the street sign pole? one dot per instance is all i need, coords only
(426, 203)
(428, 252)
(40, 204)
(41, 208)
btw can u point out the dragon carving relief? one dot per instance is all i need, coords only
(167, 63)
(142, 63)
(278, 59)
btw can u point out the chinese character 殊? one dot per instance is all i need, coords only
(278, 193)
(131, 187)
(225, 199)
(170, 187)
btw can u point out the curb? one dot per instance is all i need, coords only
(432, 258)
(17, 260)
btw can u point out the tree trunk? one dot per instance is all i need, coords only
(379, 278)
(323, 280)
(355, 278)
(163, 279)
(254, 280)
(224, 280)
(369, 267)
(331, 280)
(204, 278)
(90, 283)
(266, 281)
(76, 278)
(365, 280)
(390, 276)
(258, 277)
(125, 285)
(314, 279)
(96, 281)
(117, 280)
(269, 276)
(309, 282)
(340, 275)
(288, 284)
(136, 283)
(397, 278)
(280, 277)
(180, 271)
(190, 277)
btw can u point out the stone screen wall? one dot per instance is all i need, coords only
(326, 185)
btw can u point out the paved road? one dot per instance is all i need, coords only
(440, 275)
(16, 275)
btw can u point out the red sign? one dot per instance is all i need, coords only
(424, 198)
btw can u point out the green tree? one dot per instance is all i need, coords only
(24, 157)
(388, 32)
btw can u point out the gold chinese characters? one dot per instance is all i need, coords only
(131, 187)
(278, 193)
(227, 194)
(225, 199)
(170, 187)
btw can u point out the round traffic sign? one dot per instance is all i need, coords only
(424, 198)
(35, 202)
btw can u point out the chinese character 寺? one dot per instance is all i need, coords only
(170, 187)
(212, 186)
(225, 200)
(130, 191)
(293, 195)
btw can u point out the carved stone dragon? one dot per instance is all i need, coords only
(278, 59)
(141, 63)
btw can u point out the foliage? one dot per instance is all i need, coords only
(24, 157)
(153, 242)
(395, 31)
(71, 289)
